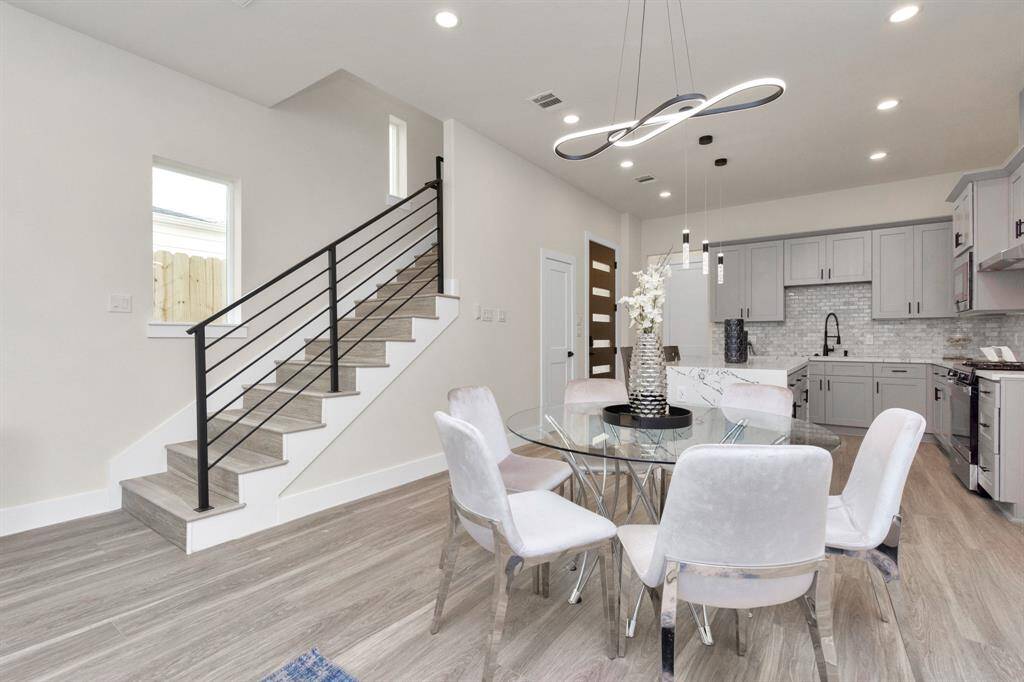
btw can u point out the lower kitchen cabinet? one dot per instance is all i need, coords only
(816, 399)
(906, 393)
(849, 401)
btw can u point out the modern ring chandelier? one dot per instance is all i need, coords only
(670, 113)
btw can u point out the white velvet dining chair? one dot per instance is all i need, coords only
(476, 405)
(522, 530)
(777, 400)
(743, 527)
(865, 520)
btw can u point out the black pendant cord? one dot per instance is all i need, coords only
(686, 45)
(622, 54)
(672, 43)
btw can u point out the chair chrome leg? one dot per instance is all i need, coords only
(668, 622)
(545, 579)
(703, 625)
(536, 579)
(874, 578)
(631, 620)
(448, 555)
(817, 603)
(605, 564)
(503, 574)
(585, 569)
(742, 630)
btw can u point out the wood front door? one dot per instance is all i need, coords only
(601, 325)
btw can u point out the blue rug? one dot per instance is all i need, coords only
(310, 667)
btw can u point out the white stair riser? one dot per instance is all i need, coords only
(302, 406)
(223, 481)
(420, 305)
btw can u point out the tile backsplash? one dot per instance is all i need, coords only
(806, 308)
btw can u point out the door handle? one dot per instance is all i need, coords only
(571, 354)
(918, 307)
(908, 308)
(821, 275)
(830, 273)
(876, 387)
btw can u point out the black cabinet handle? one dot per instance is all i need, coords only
(830, 273)
(821, 275)
(876, 387)
(748, 313)
(908, 308)
(957, 241)
(828, 384)
(898, 371)
(936, 393)
(820, 387)
(984, 425)
(1019, 228)
(985, 392)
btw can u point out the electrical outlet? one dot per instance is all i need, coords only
(476, 312)
(869, 339)
(119, 303)
(487, 315)
(502, 316)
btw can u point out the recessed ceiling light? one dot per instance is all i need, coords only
(878, 156)
(626, 164)
(570, 119)
(446, 19)
(665, 195)
(887, 104)
(904, 13)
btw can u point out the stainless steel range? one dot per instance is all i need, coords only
(964, 402)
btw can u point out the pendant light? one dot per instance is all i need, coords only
(705, 256)
(686, 209)
(721, 256)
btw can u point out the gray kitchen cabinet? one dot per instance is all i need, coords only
(849, 257)
(816, 398)
(892, 263)
(766, 298)
(936, 380)
(805, 261)
(912, 272)
(849, 401)
(728, 298)
(933, 271)
(828, 259)
(1017, 207)
(908, 394)
(752, 286)
(962, 235)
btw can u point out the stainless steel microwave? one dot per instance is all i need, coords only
(963, 282)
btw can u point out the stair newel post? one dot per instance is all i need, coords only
(332, 312)
(439, 196)
(202, 454)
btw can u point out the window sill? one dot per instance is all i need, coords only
(176, 330)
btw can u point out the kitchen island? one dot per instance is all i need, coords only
(700, 379)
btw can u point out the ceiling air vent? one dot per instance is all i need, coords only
(546, 100)
(643, 179)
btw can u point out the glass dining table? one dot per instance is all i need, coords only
(599, 453)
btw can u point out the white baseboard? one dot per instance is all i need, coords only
(311, 501)
(57, 510)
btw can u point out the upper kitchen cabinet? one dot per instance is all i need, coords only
(963, 220)
(752, 283)
(828, 259)
(1017, 207)
(912, 271)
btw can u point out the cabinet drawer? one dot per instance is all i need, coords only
(988, 470)
(900, 371)
(988, 392)
(848, 369)
(816, 368)
(988, 426)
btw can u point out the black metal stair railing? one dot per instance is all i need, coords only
(325, 264)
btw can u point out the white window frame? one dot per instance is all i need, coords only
(233, 252)
(398, 160)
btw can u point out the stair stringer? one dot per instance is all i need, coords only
(261, 491)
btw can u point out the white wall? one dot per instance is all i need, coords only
(81, 122)
(501, 210)
(869, 205)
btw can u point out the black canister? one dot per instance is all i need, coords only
(735, 341)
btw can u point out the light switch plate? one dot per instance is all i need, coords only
(487, 315)
(476, 312)
(502, 316)
(869, 340)
(119, 303)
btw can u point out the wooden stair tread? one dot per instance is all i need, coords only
(240, 461)
(178, 496)
(277, 424)
(310, 392)
(376, 339)
(403, 296)
(327, 363)
(401, 316)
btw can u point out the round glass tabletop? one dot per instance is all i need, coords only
(580, 428)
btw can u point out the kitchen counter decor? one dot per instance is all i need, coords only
(735, 341)
(648, 383)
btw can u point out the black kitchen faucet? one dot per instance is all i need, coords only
(828, 349)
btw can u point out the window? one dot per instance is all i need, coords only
(397, 170)
(192, 244)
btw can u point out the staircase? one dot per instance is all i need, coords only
(289, 406)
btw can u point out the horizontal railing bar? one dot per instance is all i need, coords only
(257, 337)
(309, 258)
(310, 382)
(253, 317)
(378, 270)
(388, 229)
(397, 239)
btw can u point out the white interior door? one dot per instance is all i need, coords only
(686, 314)
(557, 297)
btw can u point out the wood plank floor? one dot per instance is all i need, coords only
(105, 598)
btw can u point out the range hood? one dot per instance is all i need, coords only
(1007, 259)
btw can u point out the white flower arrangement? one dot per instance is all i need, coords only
(648, 298)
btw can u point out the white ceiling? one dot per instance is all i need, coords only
(957, 67)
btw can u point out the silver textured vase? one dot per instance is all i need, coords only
(648, 383)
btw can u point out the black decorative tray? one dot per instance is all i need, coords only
(619, 415)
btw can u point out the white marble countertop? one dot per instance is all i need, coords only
(1000, 375)
(782, 364)
(884, 358)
